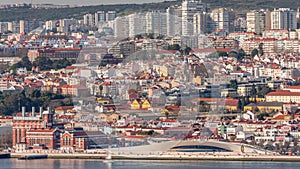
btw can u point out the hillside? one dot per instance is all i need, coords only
(125, 9)
(254, 4)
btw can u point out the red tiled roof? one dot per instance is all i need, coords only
(42, 130)
(283, 93)
(292, 87)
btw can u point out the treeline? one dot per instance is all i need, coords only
(15, 14)
(43, 62)
(11, 103)
(250, 5)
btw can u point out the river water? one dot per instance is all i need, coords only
(99, 164)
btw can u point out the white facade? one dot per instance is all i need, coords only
(89, 20)
(221, 20)
(189, 9)
(174, 20)
(256, 21)
(283, 18)
(111, 15)
(137, 24)
(200, 23)
(100, 17)
(121, 27)
(156, 22)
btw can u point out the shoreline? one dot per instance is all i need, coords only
(169, 157)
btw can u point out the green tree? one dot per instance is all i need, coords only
(60, 64)
(260, 49)
(262, 91)
(262, 116)
(222, 53)
(233, 84)
(253, 93)
(174, 47)
(254, 52)
(241, 54)
(21, 64)
(43, 62)
(240, 105)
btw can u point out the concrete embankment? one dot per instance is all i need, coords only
(173, 157)
(213, 158)
(65, 156)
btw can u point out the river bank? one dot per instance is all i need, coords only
(171, 157)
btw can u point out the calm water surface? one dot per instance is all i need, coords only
(98, 164)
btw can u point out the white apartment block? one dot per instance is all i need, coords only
(65, 25)
(222, 19)
(121, 27)
(100, 17)
(89, 20)
(256, 22)
(174, 20)
(189, 9)
(5, 26)
(137, 24)
(200, 23)
(156, 22)
(283, 18)
(111, 15)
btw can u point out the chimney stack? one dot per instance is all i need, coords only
(23, 111)
(33, 111)
(41, 111)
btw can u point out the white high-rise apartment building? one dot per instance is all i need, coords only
(200, 23)
(156, 22)
(222, 19)
(189, 9)
(4, 27)
(89, 20)
(100, 17)
(283, 18)
(65, 25)
(111, 15)
(256, 21)
(121, 27)
(137, 24)
(174, 20)
(49, 25)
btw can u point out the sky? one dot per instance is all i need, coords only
(78, 2)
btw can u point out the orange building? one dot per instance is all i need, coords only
(43, 138)
(23, 122)
(74, 90)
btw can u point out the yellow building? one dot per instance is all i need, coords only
(105, 100)
(109, 117)
(264, 106)
(145, 104)
(135, 105)
(140, 104)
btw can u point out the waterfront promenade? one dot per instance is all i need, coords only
(166, 151)
(170, 156)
